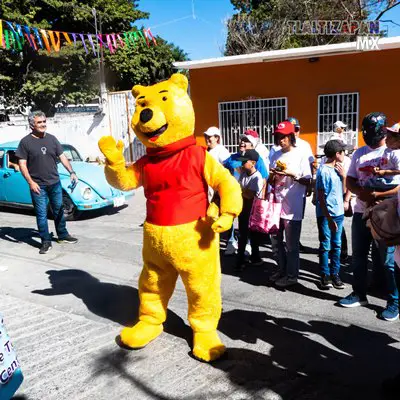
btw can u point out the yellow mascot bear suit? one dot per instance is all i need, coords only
(179, 237)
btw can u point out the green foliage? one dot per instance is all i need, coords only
(71, 75)
(260, 25)
(138, 63)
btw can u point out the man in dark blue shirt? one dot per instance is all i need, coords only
(38, 153)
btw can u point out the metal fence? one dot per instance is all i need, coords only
(260, 115)
(121, 106)
(337, 107)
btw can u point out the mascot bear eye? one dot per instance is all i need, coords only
(164, 98)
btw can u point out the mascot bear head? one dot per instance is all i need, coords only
(164, 112)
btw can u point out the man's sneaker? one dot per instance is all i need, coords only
(231, 248)
(257, 262)
(391, 312)
(46, 246)
(326, 282)
(285, 281)
(353, 300)
(239, 267)
(275, 276)
(344, 258)
(337, 282)
(68, 239)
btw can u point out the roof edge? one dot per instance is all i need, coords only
(287, 54)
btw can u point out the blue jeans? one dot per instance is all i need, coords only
(53, 194)
(330, 243)
(289, 257)
(362, 239)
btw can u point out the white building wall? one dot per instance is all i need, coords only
(83, 130)
(80, 130)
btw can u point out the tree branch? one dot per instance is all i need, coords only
(347, 10)
(379, 16)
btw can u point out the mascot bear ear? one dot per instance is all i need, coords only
(180, 81)
(136, 90)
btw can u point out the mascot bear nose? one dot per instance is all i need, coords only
(146, 115)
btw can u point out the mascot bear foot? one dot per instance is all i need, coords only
(140, 335)
(207, 346)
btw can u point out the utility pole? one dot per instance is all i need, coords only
(100, 58)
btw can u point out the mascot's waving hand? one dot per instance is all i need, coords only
(179, 238)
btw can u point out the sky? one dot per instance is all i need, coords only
(197, 26)
(200, 34)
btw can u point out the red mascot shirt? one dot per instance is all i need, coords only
(174, 184)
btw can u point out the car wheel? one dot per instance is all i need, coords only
(70, 211)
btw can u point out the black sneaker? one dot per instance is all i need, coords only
(68, 239)
(337, 282)
(239, 267)
(46, 246)
(326, 282)
(344, 258)
(256, 262)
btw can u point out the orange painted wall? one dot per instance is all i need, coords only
(374, 74)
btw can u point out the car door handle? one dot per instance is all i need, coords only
(6, 175)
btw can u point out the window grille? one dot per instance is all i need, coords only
(261, 115)
(337, 107)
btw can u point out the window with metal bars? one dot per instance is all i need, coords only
(337, 107)
(261, 115)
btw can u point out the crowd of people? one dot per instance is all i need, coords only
(280, 179)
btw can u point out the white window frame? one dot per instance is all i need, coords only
(231, 137)
(339, 115)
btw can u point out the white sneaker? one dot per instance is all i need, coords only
(231, 248)
(285, 282)
(247, 252)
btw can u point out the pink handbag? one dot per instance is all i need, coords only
(265, 215)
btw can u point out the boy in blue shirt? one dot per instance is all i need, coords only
(330, 186)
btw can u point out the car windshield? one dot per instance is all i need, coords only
(71, 153)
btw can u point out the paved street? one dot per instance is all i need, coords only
(64, 310)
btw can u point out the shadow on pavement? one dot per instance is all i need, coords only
(20, 235)
(117, 303)
(90, 214)
(83, 216)
(307, 360)
(259, 276)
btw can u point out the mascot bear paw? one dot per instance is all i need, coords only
(207, 346)
(140, 335)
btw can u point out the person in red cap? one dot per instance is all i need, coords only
(290, 174)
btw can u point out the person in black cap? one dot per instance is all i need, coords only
(252, 183)
(363, 180)
(330, 186)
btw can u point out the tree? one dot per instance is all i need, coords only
(71, 75)
(260, 25)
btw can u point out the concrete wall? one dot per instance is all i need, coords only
(80, 130)
(84, 129)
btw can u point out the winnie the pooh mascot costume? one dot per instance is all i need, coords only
(179, 238)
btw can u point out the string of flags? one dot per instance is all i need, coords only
(13, 37)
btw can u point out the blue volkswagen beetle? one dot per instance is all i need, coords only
(91, 192)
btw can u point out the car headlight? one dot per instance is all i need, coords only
(87, 193)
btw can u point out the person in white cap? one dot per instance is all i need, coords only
(215, 147)
(338, 132)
